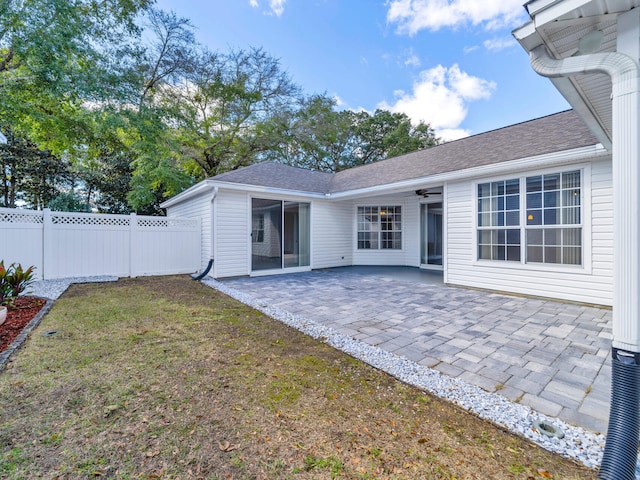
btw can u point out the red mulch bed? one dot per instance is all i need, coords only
(18, 316)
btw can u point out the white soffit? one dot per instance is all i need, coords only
(559, 25)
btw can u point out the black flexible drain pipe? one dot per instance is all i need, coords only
(621, 451)
(206, 270)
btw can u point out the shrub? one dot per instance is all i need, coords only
(13, 281)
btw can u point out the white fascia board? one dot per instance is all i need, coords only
(528, 37)
(547, 11)
(268, 190)
(199, 188)
(536, 162)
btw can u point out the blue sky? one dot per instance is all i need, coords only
(451, 63)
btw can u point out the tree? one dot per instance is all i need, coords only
(318, 137)
(57, 55)
(69, 202)
(314, 136)
(170, 55)
(385, 134)
(31, 175)
(222, 107)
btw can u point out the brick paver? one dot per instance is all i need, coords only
(551, 356)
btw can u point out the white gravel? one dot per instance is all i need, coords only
(52, 289)
(578, 444)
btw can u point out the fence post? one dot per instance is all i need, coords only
(47, 245)
(133, 227)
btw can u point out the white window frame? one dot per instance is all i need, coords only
(585, 225)
(379, 232)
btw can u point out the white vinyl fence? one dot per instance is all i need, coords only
(61, 244)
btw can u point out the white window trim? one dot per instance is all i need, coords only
(402, 226)
(587, 257)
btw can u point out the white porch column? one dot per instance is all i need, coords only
(626, 192)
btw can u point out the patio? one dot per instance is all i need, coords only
(551, 356)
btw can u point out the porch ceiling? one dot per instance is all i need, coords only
(559, 25)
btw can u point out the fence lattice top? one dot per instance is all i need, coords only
(13, 216)
(103, 220)
(19, 216)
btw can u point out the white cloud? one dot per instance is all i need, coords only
(412, 60)
(472, 48)
(415, 15)
(440, 97)
(276, 6)
(499, 43)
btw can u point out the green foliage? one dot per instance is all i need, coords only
(69, 202)
(317, 137)
(117, 102)
(13, 281)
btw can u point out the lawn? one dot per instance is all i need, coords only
(166, 378)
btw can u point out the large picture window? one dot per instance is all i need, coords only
(551, 229)
(380, 228)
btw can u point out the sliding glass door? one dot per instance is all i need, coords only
(280, 234)
(431, 233)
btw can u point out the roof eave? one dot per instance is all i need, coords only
(528, 36)
(246, 187)
(193, 191)
(564, 157)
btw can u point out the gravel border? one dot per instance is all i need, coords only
(577, 444)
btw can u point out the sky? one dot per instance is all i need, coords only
(451, 63)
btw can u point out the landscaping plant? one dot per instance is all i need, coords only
(13, 281)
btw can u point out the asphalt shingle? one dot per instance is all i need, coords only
(554, 133)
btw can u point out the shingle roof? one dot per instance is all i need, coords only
(553, 133)
(278, 175)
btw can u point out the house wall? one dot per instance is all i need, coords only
(409, 254)
(591, 283)
(197, 207)
(232, 229)
(332, 234)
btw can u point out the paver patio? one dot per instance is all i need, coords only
(551, 356)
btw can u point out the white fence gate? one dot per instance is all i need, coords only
(61, 244)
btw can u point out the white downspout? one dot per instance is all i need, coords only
(625, 77)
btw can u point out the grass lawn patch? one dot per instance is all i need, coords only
(162, 377)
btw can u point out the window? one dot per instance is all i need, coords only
(499, 220)
(554, 234)
(257, 228)
(380, 228)
(551, 229)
